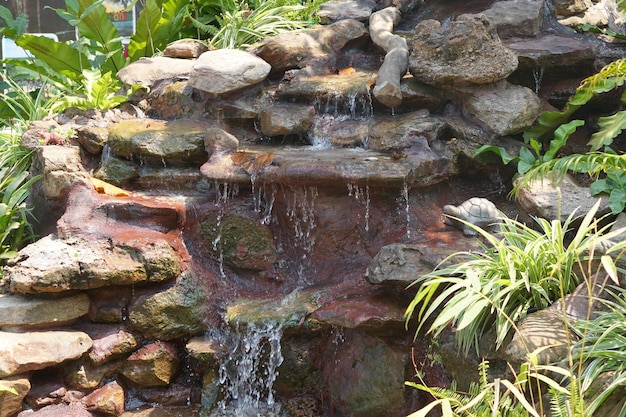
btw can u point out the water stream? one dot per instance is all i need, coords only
(248, 372)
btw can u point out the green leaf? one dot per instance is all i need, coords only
(617, 200)
(142, 43)
(59, 56)
(610, 127)
(561, 134)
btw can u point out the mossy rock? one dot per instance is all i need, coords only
(158, 142)
(242, 242)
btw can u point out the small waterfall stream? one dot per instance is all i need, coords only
(248, 373)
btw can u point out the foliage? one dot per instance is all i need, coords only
(517, 269)
(239, 24)
(18, 106)
(497, 398)
(601, 349)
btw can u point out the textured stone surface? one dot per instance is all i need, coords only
(154, 365)
(226, 70)
(22, 352)
(12, 392)
(146, 71)
(466, 51)
(24, 311)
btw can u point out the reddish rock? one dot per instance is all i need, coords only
(154, 365)
(110, 343)
(107, 400)
(58, 410)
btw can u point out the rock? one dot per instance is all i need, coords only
(289, 312)
(110, 305)
(315, 48)
(516, 18)
(203, 349)
(58, 410)
(466, 51)
(336, 10)
(92, 138)
(283, 120)
(217, 140)
(55, 265)
(171, 99)
(146, 71)
(158, 142)
(571, 7)
(227, 70)
(185, 48)
(403, 131)
(12, 393)
(338, 131)
(543, 332)
(545, 199)
(24, 311)
(186, 411)
(107, 400)
(154, 365)
(401, 264)
(171, 314)
(367, 378)
(84, 375)
(387, 89)
(174, 394)
(109, 343)
(242, 243)
(22, 352)
(60, 168)
(502, 108)
(553, 51)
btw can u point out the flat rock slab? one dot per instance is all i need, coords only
(24, 311)
(313, 167)
(552, 51)
(23, 352)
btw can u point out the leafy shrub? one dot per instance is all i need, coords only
(517, 270)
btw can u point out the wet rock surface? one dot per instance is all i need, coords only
(309, 195)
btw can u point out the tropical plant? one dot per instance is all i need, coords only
(484, 399)
(600, 351)
(238, 24)
(516, 270)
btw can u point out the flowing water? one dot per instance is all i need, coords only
(248, 372)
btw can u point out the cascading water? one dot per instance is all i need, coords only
(361, 194)
(248, 373)
(223, 193)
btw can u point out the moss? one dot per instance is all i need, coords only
(242, 242)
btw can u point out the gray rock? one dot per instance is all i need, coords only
(466, 51)
(516, 18)
(549, 200)
(226, 70)
(25, 311)
(401, 264)
(146, 71)
(22, 352)
(336, 10)
(501, 107)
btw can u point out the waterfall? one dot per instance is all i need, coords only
(248, 373)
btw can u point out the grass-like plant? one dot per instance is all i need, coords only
(238, 24)
(518, 269)
(600, 351)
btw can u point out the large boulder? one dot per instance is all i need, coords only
(464, 52)
(227, 70)
(22, 352)
(56, 265)
(316, 48)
